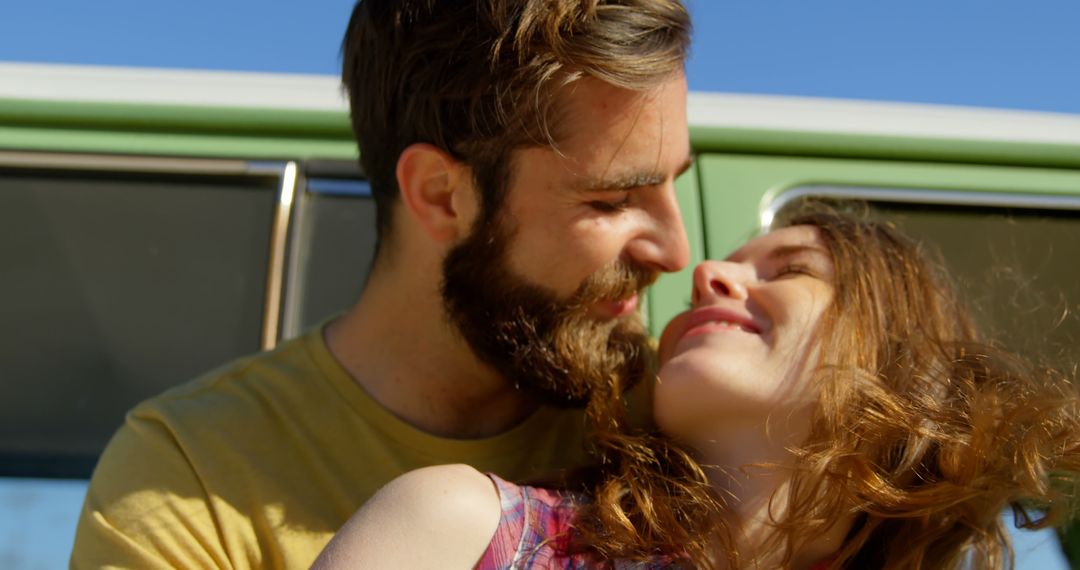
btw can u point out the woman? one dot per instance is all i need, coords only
(826, 402)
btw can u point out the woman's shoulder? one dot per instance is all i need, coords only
(434, 517)
(514, 526)
(459, 477)
(444, 494)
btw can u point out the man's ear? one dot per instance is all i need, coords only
(435, 189)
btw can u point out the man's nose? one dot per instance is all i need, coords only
(714, 280)
(663, 245)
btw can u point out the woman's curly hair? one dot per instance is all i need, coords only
(925, 432)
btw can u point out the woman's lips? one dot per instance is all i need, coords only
(710, 319)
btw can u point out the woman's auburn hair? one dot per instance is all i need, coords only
(925, 431)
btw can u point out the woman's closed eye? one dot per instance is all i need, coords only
(795, 270)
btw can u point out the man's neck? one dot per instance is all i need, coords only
(397, 345)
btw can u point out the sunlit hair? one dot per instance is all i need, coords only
(481, 78)
(925, 431)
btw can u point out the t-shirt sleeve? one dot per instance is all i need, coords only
(145, 506)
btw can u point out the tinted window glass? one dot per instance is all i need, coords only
(1017, 267)
(115, 288)
(333, 243)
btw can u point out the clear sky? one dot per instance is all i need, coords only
(1021, 54)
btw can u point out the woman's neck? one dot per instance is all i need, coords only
(752, 467)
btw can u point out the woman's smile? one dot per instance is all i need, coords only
(713, 318)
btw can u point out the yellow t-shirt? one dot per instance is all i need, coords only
(256, 465)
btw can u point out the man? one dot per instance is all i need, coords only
(522, 154)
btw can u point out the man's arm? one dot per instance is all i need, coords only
(436, 517)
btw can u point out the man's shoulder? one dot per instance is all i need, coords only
(215, 454)
(220, 418)
(254, 409)
(289, 372)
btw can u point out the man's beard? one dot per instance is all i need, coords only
(547, 346)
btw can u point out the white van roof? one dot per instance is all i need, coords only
(53, 82)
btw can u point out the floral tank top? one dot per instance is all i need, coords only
(534, 530)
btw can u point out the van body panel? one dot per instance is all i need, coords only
(737, 189)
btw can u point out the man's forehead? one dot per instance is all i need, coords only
(588, 95)
(612, 111)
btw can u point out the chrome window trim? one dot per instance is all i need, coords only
(122, 163)
(300, 233)
(279, 244)
(915, 196)
(338, 187)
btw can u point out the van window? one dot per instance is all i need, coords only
(331, 247)
(117, 285)
(1014, 261)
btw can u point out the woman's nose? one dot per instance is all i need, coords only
(718, 279)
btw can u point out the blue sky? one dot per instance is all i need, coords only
(993, 53)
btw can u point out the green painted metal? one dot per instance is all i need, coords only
(333, 125)
(31, 123)
(671, 293)
(920, 149)
(736, 188)
(173, 144)
(162, 130)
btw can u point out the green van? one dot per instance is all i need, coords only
(158, 223)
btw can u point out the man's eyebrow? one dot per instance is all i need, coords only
(632, 180)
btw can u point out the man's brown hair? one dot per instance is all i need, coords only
(479, 78)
